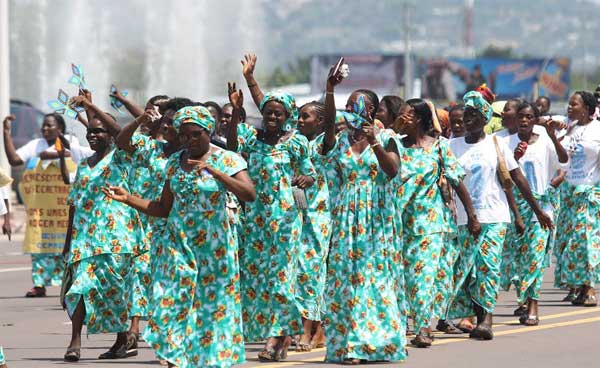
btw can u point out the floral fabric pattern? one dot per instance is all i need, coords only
(47, 269)
(364, 308)
(195, 319)
(477, 270)
(272, 230)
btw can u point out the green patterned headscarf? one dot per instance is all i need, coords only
(288, 102)
(475, 100)
(198, 115)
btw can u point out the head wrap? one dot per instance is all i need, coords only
(198, 115)
(357, 117)
(288, 102)
(475, 100)
(487, 93)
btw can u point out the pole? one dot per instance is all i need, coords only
(4, 77)
(407, 53)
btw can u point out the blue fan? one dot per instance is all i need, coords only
(61, 105)
(78, 78)
(116, 104)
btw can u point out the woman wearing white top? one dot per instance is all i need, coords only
(477, 271)
(540, 157)
(46, 268)
(579, 243)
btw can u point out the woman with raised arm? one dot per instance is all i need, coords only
(102, 242)
(196, 319)
(46, 264)
(277, 161)
(579, 244)
(477, 270)
(426, 219)
(363, 315)
(541, 159)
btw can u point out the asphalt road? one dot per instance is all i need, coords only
(35, 333)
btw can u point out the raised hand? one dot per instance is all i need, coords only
(520, 150)
(8, 122)
(248, 65)
(80, 100)
(116, 93)
(369, 130)
(236, 97)
(117, 193)
(86, 93)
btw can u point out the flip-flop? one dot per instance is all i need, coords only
(72, 355)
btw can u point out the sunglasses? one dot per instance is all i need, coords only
(96, 131)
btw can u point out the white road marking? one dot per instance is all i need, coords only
(15, 269)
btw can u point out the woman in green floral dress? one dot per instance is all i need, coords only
(316, 231)
(102, 242)
(363, 317)
(579, 246)
(272, 226)
(426, 219)
(196, 318)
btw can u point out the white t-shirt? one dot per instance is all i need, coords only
(480, 163)
(583, 145)
(33, 148)
(537, 129)
(539, 165)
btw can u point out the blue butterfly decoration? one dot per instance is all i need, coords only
(61, 105)
(78, 78)
(116, 104)
(357, 117)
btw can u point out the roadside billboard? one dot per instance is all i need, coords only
(450, 78)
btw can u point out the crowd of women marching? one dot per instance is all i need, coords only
(321, 227)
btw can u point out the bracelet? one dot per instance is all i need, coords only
(375, 145)
(329, 93)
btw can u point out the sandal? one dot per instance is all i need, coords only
(36, 292)
(72, 355)
(318, 339)
(303, 346)
(590, 301)
(531, 320)
(267, 355)
(351, 361)
(422, 341)
(522, 310)
(448, 327)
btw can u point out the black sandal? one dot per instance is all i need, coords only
(448, 327)
(267, 355)
(522, 310)
(72, 355)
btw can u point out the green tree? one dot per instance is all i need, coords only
(492, 51)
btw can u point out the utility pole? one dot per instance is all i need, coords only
(407, 25)
(4, 76)
(468, 28)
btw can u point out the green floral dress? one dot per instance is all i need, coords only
(316, 232)
(104, 242)
(363, 317)
(195, 319)
(272, 230)
(426, 222)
